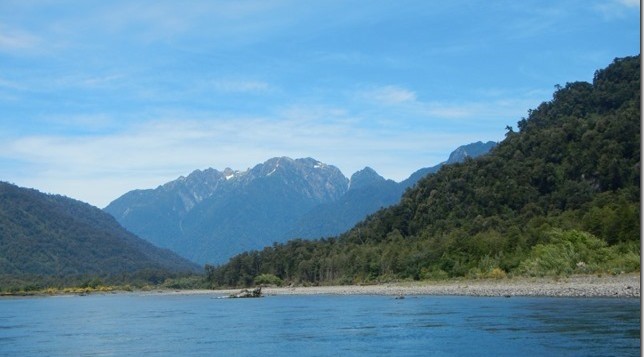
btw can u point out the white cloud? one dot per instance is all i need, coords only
(11, 84)
(80, 122)
(630, 3)
(218, 22)
(494, 110)
(389, 95)
(99, 168)
(241, 86)
(447, 111)
(616, 9)
(13, 41)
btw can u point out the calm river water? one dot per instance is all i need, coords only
(200, 325)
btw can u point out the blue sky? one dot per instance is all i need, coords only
(101, 97)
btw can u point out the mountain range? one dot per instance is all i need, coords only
(211, 215)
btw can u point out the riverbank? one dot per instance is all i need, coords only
(622, 286)
(625, 285)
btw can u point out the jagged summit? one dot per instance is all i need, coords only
(365, 177)
(471, 150)
(230, 205)
(231, 174)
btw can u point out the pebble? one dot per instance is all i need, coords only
(626, 285)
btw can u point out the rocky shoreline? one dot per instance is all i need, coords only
(621, 286)
(617, 286)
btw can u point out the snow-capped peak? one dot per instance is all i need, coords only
(229, 173)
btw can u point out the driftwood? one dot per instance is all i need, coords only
(255, 293)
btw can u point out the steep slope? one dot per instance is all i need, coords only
(156, 215)
(47, 235)
(367, 193)
(560, 196)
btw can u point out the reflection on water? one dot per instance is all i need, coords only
(132, 324)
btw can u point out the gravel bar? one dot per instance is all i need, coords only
(622, 286)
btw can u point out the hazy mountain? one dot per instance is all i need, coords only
(368, 192)
(472, 150)
(209, 215)
(49, 235)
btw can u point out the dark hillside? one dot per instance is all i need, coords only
(47, 237)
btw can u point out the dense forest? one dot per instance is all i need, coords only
(561, 195)
(55, 241)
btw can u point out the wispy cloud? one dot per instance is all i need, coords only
(11, 84)
(389, 95)
(241, 86)
(449, 111)
(538, 20)
(616, 9)
(485, 105)
(16, 41)
(488, 104)
(630, 3)
(79, 123)
(171, 22)
(154, 152)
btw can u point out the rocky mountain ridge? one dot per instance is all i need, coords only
(211, 215)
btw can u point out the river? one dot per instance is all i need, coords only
(137, 324)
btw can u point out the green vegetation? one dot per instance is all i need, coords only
(268, 279)
(49, 241)
(140, 280)
(570, 252)
(560, 196)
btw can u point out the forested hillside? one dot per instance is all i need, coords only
(560, 195)
(50, 240)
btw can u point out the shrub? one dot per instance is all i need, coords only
(573, 251)
(433, 274)
(497, 273)
(92, 283)
(189, 282)
(268, 279)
